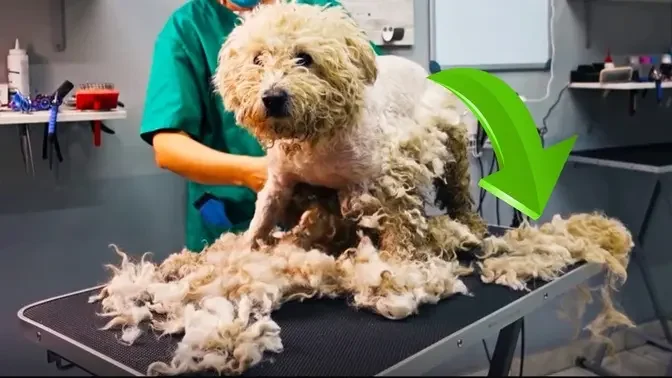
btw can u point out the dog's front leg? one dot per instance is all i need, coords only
(271, 203)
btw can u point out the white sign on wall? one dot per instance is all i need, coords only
(387, 22)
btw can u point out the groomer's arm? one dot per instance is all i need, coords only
(172, 120)
(179, 153)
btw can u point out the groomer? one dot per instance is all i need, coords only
(191, 133)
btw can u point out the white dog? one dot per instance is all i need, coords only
(306, 82)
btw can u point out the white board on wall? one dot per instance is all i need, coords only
(374, 15)
(490, 34)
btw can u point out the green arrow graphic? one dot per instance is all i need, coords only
(528, 173)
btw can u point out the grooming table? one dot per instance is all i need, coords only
(321, 337)
(656, 160)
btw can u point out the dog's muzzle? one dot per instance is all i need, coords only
(276, 103)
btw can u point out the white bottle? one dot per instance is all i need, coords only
(18, 66)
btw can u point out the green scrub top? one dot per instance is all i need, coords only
(180, 97)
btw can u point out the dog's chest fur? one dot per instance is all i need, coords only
(335, 163)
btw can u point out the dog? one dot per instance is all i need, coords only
(306, 82)
(354, 142)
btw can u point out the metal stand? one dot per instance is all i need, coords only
(505, 349)
(26, 149)
(639, 258)
(62, 364)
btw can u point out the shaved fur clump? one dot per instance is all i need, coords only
(355, 143)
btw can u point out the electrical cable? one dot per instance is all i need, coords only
(544, 120)
(480, 193)
(552, 41)
(496, 163)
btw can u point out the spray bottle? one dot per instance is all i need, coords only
(18, 69)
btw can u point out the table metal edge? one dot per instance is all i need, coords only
(68, 348)
(611, 163)
(432, 356)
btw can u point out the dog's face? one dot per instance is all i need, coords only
(294, 71)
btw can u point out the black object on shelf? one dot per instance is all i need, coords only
(586, 73)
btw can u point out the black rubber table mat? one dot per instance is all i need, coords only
(657, 155)
(321, 337)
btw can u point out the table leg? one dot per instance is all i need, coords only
(63, 364)
(60, 362)
(26, 149)
(595, 365)
(640, 259)
(505, 349)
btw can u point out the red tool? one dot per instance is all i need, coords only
(608, 61)
(99, 97)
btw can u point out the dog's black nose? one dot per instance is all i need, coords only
(276, 102)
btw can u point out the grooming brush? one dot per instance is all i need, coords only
(621, 75)
(100, 97)
(616, 75)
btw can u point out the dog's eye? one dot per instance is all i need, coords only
(257, 60)
(303, 59)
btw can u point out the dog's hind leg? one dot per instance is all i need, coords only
(452, 190)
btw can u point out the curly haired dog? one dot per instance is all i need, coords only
(308, 85)
(355, 143)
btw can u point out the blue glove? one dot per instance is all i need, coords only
(213, 211)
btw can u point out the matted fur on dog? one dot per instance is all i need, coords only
(355, 143)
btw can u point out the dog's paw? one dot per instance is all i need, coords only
(250, 241)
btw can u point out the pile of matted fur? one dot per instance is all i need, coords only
(221, 300)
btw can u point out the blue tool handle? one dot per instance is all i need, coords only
(659, 91)
(214, 214)
(53, 116)
(245, 3)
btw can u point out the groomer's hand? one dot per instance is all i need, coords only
(255, 173)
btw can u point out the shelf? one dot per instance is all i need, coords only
(8, 117)
(652, 158)
(619, 86)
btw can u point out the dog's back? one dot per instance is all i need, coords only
(402, 89)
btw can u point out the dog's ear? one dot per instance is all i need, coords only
(361, 54)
